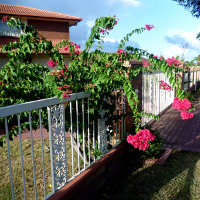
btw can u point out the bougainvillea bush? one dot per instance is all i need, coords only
(95, 71)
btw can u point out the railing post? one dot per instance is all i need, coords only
(56, 118)
(102, 136)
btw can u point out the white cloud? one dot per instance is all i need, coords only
(189, 38)
(127, 2)
(178, 39)
(109, 40)
(90, 23)
(175, 50)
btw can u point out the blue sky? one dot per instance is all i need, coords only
(174, 26)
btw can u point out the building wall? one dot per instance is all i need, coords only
(3, 60)
(40, 59)
(51, 29)
(43, 60)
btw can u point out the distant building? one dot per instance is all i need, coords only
(51, 25)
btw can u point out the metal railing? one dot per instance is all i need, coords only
(64, 143)
(6, 30)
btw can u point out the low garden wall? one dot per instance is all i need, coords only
(89, 182)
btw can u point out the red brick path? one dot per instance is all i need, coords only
(178, 133)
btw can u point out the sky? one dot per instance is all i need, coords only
(174, 33)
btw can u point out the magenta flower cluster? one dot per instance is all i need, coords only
(183, 106)
(109, 28)
(51, 63)
(172, 61)
(141, 139)
(4, 18)
(149, 27)
(165, 86)
(145, 63)
(75, 47)
(186, 115)
(120, 52)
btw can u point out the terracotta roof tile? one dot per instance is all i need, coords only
(34, 12)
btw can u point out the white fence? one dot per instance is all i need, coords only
(190, 79)
(155, 99)
(39, 166)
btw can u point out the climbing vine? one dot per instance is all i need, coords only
(95, 71)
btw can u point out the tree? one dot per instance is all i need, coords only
(192, 5)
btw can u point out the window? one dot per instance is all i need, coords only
(6, 30)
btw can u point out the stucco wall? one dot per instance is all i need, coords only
(40, 59)
(3, 60)
(43, 60)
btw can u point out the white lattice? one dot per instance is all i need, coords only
(58, 145)
(102, 136)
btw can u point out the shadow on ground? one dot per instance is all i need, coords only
(178, 179)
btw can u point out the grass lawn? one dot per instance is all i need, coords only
(178, 179)
(5, 189)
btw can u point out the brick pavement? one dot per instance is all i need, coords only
(178, 133)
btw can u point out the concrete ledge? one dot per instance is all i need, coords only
(92, 179)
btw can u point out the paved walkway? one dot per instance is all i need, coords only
(178, 133)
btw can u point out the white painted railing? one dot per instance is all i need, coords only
(155, 99)
(60, 157)
(6, 30)
(191, 79)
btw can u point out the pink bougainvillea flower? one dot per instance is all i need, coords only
(77, 46)
(102, 30)
(149, 27)
(145, 63)
(172, 61)
(131, 139)
(66, 48)
(186, 115)
(65, 95)
(66, 86)
(198, 63)
(60, 88)
(141, 139)
(165, 86)
(69, 91)
(4, 18)
(61, 71)
(181, 104)
(76, 52)
(51, 63)
(120, 51)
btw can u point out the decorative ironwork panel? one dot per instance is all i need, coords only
(56, 117)
(102, 136)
